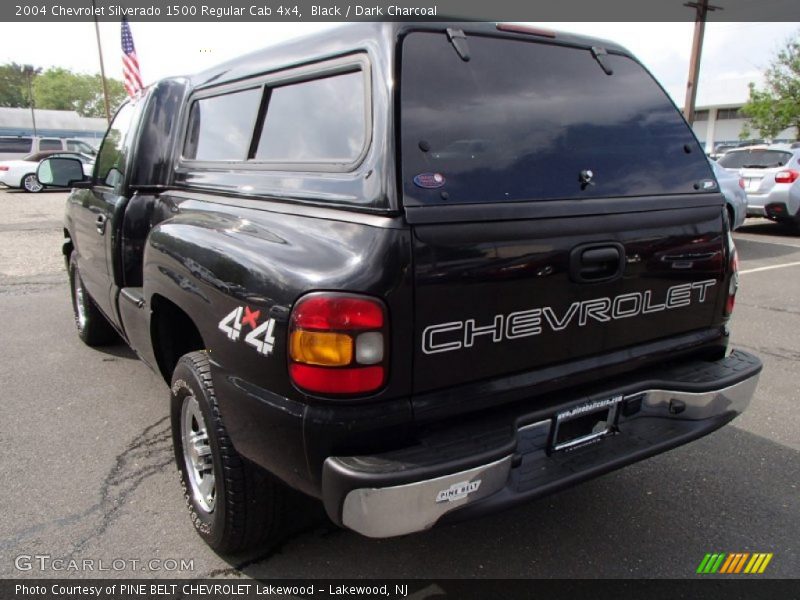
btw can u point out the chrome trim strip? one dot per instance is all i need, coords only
(701, 405)
(401, 509)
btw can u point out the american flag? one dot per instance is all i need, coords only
(130, 64)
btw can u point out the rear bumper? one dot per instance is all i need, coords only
(413, 489)
(784, 197)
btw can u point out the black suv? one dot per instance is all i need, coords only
(417, 271)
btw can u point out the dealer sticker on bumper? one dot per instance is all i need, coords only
(457, 491)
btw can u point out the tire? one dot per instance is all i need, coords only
(93, 327)
(233, 505)
(30, 184)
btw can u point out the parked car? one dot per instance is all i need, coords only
(22, 173)
(14, 147)
(732, 187)
(720, 150)
(771, 179)
(346, 298)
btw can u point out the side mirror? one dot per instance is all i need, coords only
(60, 172)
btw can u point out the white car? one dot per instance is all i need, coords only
(22, 173)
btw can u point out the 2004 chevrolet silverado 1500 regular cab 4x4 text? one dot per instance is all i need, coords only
(418, 271)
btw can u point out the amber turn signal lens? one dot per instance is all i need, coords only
(321, 348)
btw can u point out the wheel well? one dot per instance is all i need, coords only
(173, 333)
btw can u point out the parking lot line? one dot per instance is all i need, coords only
(770, 267)
(757, 240)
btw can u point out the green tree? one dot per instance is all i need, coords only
(13, 85)
(62, 89)
(778, 106)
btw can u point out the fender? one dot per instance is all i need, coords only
(238, 278)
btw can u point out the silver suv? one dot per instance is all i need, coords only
(771, 179)
(16, 147)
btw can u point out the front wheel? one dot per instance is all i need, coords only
(233, 505)
(31, 184)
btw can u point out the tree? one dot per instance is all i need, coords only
(62, 89)
(13, 85)
(778, 106)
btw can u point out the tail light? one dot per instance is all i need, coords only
(741, 182)
(787, 176)
(338, 344)
(733, 286)
(3, 168)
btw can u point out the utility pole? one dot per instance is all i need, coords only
(102, 67)
(29, 73)
(702, 9)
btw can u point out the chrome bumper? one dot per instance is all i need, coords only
(401, 509)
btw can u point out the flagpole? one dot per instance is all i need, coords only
(102, 67)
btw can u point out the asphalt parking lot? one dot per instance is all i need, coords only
(88, 471)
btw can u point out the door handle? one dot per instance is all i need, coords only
(597, 262)
(100, 224)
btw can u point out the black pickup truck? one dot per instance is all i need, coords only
(418, 271)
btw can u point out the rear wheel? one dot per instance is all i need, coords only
(93, 327)
(31, 184)
(233, 504)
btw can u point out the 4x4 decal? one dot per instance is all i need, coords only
(260, 336)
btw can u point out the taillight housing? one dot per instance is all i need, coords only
(733, 286)
(787, 176)
(3, 168)
(741, 182)
(338, 344)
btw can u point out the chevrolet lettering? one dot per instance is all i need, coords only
(526, 323)
(368, 273)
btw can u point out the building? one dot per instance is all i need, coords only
(718, 118)
(724, 124)
(51, 123)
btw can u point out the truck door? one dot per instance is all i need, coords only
(91, 210)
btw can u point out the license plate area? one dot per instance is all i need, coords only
(752, 184)
(585, 424)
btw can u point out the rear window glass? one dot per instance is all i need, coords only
(221, 127)
(322, 120)
(524, 120)
(755, 159)
(15, 144)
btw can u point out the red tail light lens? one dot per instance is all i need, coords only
(741, 182)
(2, 168)
(336, 381)
(734, 284)
(338, 344)
(787, 176)
(328, 312)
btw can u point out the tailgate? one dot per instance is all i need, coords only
(508, 296)
(561, 207)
